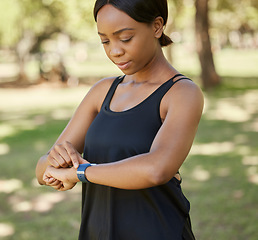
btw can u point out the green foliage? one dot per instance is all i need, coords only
(10, 30)
(81, 20)
(233, 15)
(39, 16)
(75, 18)
(44, 17)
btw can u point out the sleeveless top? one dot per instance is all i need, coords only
(156, 213)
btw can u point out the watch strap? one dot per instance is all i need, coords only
(81, 172)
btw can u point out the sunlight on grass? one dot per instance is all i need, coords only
(41, 203)
(6, 130)
(253, 126)
(32, 99)
(61, 114)
(243, 150)
(40, 145)
(24, 124)
(213, 148)
(250, 100)
(4, 148)
(12, 127)
(22, 207)
(237, 63)
(252, 170)
(250, 160)
(46, 201)
(6, 229)
(8, 186)
(252, 175)
(200, 174)
(229, 112)
(227, 109)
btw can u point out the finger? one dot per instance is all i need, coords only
(82, 161)
(51, 180)
(46, 178)
(66, 187)
(61, 189)
(74, 155)
(52, 161)
(55, 183)
(58, 187)
(55, 159)
(60, 156)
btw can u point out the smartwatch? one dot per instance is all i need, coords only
(81, 172)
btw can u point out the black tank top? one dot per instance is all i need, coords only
(157, 213)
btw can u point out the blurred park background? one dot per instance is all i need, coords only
(50, 55)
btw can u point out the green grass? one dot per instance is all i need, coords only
(218, 179)
(30, 121)
(221, 174)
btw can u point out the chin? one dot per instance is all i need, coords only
(130, 71)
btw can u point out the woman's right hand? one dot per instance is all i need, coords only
(64, 155)
(60, 179)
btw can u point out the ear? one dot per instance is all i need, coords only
(158, 26)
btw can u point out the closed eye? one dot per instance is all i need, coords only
(126, 40)
(105, 42)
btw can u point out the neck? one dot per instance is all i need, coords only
(158, 69)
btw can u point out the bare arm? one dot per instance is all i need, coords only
(67, 149)
(169, 149)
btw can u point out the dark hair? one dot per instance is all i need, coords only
(141, 11)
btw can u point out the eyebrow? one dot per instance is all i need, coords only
(117, 32)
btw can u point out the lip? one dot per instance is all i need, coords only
(123, 65)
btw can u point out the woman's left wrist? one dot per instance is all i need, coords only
(74, 177)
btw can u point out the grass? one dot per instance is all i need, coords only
(220, 176)
(28, 128)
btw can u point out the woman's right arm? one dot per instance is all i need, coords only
(69, 146)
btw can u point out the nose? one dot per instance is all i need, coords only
(116, 51)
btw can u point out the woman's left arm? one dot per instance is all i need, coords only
(183, 105)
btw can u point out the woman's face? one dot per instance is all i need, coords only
(129, 44)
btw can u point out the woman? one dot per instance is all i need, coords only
(137, 129)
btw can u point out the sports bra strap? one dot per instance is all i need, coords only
(159, 91)
(112, 89)
(181, 79)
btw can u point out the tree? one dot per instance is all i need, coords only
(209, 75)
(175, 9)
(234, 23)
(30, 23)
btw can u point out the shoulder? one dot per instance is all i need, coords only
(98, 92)
(184, 97)
(187, 90)
(103, 84)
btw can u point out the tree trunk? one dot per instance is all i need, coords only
(209, 76)
(22, 78)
